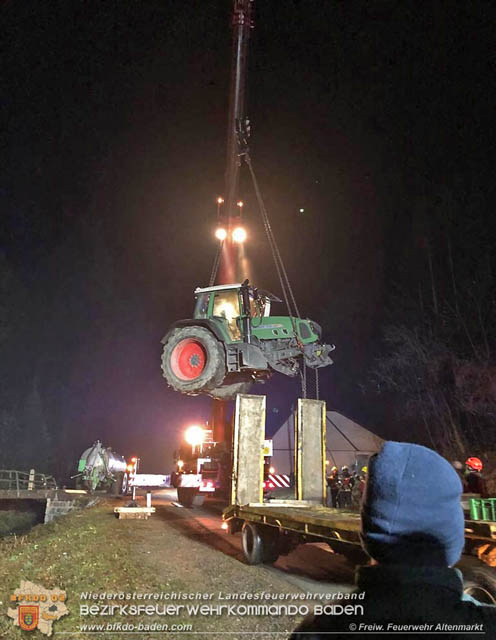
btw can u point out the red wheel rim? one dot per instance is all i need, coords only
(188, 359)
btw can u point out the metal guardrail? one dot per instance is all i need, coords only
(11, 479)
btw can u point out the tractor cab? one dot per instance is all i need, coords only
(232, 341)
(231, 304)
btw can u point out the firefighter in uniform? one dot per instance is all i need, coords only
(358, 488)
(346, 485)
(332, 488)
(473, 481)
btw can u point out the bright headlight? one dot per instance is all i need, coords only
(239, 235)
(221, 234)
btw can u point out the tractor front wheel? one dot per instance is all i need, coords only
(193, 360)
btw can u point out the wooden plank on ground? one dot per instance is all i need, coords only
(136, 513)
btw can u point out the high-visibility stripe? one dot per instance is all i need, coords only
(279, 479)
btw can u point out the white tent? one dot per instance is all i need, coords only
(347, 443)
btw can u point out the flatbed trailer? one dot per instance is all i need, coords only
(275, 528)
(297, 523)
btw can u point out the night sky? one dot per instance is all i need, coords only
(364, 114)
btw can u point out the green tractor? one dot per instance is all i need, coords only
(232, 342)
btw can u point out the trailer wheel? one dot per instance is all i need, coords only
(271, 545)
(118, 486)
(193, 360)
(124, 484)
(252, 543)
(260, 544)
(479, 580)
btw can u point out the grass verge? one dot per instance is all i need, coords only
(92, 551)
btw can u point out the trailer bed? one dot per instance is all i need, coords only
(301, 517)
(327, 523)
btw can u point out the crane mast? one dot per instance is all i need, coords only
(229, 265)
(229, 262)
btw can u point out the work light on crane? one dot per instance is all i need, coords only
(221, 234)
(239, 235)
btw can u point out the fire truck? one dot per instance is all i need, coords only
(203, 468)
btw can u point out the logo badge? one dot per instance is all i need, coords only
(29, 616)
(35, 607)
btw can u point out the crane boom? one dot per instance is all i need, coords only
(241, 33)
(229, 262)
(242, 24)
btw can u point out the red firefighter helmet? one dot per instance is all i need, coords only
(474, 464)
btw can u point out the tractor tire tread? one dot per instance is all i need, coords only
(215, 367)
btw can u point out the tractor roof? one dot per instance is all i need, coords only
(223, 287)
(218, 287)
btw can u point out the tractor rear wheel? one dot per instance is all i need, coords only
(193, 360)
(228, 391)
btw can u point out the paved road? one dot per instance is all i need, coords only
(311, 567)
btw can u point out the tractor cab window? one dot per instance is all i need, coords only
(201, 306)
(226, 305)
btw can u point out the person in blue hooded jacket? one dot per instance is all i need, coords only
(413, 531)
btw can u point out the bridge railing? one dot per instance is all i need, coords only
(11, 479)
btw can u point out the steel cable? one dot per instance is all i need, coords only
(281, 270)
